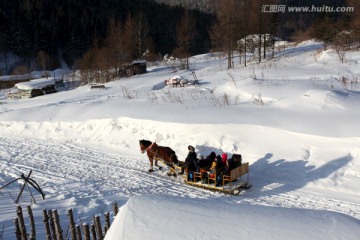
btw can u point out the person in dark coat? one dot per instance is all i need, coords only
(220, 168)
(207, 161)
(190, 161)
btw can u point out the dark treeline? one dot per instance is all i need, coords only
(66, 29)
(51, 31)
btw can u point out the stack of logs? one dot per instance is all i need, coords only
(53, 228)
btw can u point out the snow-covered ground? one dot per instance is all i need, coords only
(293, 118)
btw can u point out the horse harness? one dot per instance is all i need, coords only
(156, 155)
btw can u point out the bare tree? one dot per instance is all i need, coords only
(185, 35)
(117, 44)
(325, 29)
(128, 37)
(355, 21)
(141, 31)
(243, 43)
(342, 43)
(225, 32)
(93, 66)
(4, 50)
(44, 61)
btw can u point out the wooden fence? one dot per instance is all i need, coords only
(53, 228)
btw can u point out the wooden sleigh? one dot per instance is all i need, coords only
(238, 178)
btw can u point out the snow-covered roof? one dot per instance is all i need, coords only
(255, 37)
(176, 78)
(139, 62)
(35, 84)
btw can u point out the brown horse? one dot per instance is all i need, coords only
(164, 154)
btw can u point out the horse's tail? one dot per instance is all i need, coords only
(174, 158)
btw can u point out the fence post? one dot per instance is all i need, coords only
(17, 229)
(52, 225)
(72, 224)
(78, 233)
(58, 229)
(86, 231)
(21, 222)
(93, 232)
(115, 208)
(107, 220)
(46, 224)
(32, 222)
(98, 227)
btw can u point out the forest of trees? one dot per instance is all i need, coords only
(66, 29)
(102, 34)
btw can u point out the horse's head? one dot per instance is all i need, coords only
(144, 144)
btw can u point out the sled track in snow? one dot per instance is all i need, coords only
(59, 166)
(299, 199)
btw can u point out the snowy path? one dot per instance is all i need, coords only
(73, 176)
(65, 171)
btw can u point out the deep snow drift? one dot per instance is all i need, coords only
(159, 217)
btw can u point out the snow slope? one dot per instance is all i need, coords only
(196, 218)
(292, 118)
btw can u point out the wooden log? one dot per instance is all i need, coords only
(78, 233)
(58, 230)
(46, 225)
(32, 223)
(72, 224)
(31, 195)
(22, 188)
(107, 220)
(97, 86)
(52, 225)
(98, 228)
(86, 231)
(115, 208)
(93, 232)
(17, 229)
(21, 223)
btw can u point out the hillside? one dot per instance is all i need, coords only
(293, 118)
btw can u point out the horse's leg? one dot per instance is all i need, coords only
(174, 171)
(156, 164)
(151, 163)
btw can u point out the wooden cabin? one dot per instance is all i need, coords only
(139, 66)
(35, 88)
(135, 68)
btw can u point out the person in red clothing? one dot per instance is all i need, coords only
(224, 159)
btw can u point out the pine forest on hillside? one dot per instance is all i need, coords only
(91, 34)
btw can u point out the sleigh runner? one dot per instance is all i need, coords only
(237, 179)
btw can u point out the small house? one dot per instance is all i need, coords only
(35, 88)
(139, 66)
